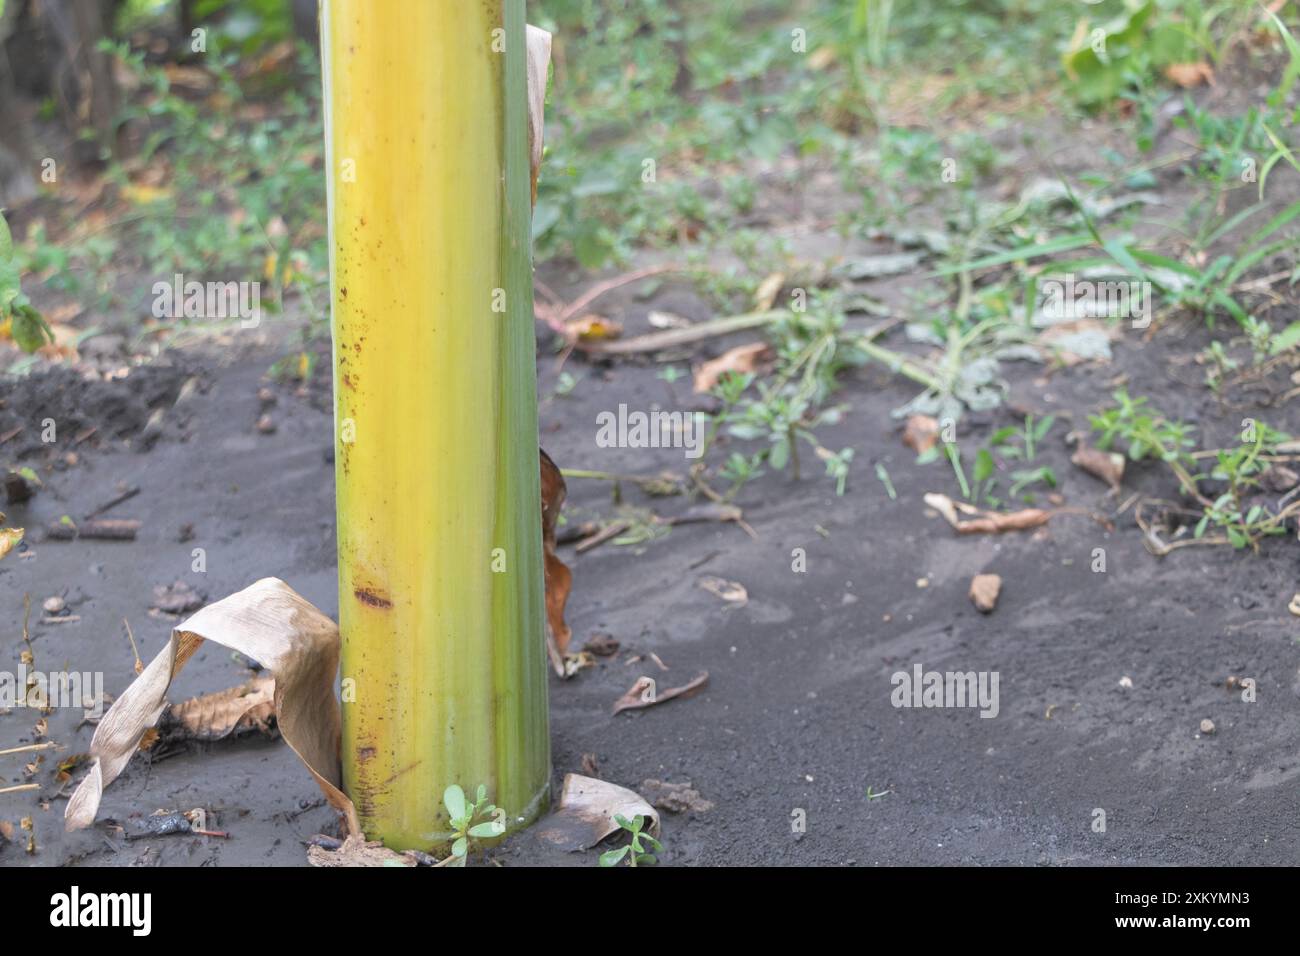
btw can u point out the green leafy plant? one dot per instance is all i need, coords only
(27, 326)
(637, 850)
(463, 814)
(1232, 479)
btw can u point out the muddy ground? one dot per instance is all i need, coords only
(796, 714)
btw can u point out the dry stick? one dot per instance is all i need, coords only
(595, 292)
(20, 788)
(48, 745)
(671, 338)
(139, 664)
(126, 495)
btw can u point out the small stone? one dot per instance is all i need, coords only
(266, 424)
(54, 605)
(1126, 682)
(266, 396)
(984, 591)
(1232, 682)
(1207, 726)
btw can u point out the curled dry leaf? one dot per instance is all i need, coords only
(586, 811)
(741, 359)
(984, 591)
(985, 522)
(269, 622)
(730, 591)
(920, 433)
(1106, 465)
(644, 693)
(558, 577)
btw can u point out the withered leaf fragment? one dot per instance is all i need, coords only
(644, 693)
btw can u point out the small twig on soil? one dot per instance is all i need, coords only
(21, 788)
(139, 664)
(126, 495)
(603, 535)
(27, 748)
(102, 529)
(672, 338)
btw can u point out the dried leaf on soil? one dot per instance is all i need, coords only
(985, 522)
(984, 591)
(1106, 465)
(920, 433)
(741, 359)
(269, 622)
(1188, 75)
(209, 717)
(586, 811)
(9, 538)
(767, 291)
(644, 694)
(730, 591)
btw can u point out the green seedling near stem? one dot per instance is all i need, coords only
(462, 814)
(634, 852)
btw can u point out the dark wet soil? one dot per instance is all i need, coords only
(796, 720)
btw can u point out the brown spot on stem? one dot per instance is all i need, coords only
(365, 754)
(373, 598)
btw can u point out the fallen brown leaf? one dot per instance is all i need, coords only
(1188, 75)
(730, 591)
(585, 813)
(920, 433)
(247, 708)
(644, 694)
(767, 291)
(1108, 466)
(741, 359)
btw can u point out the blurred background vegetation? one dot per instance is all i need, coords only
(172, 157)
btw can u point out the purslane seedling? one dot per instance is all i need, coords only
(464, 829)
(634, 852)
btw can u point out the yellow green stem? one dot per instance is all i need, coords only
(440, 550)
